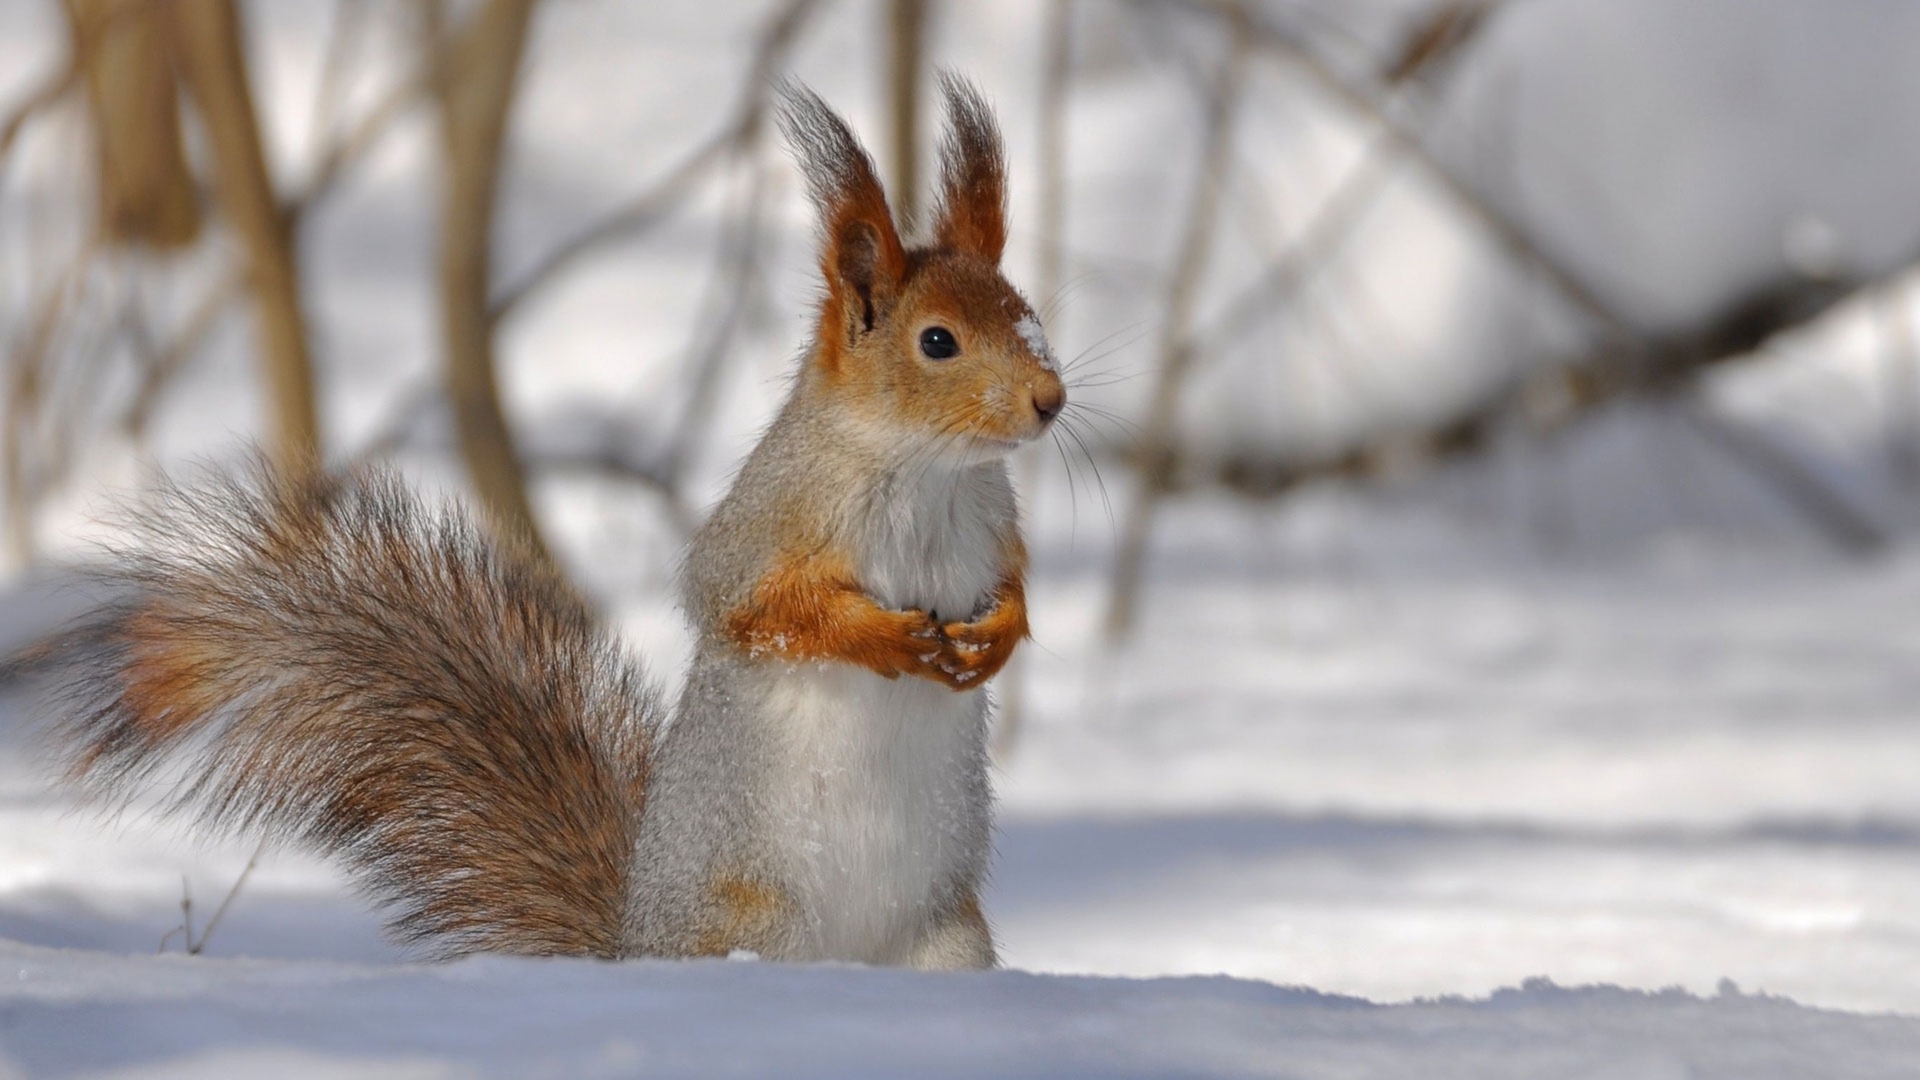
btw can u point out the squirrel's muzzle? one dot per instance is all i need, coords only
(1048, 397)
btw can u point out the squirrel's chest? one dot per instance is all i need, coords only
(936, 547)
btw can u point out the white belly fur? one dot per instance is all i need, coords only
(876, 800)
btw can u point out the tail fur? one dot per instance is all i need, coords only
(329, 663)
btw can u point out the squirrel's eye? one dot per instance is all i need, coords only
(938, 343)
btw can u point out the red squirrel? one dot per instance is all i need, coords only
(325, 661)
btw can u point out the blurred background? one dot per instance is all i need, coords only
(1483, 545)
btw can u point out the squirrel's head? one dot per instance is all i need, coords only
(930, 344)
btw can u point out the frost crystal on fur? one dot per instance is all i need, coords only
(1036, 340)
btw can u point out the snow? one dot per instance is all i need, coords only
(1602, 715)
(1035, 340)
(512, 1018)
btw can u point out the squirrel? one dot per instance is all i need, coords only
(324, 660)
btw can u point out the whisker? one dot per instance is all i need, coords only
(1103, 379)
(1122, 426)
(1066, 288)
(1075, 480)
(1138, 329)
(1105, 499)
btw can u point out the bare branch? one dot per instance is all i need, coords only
(167, 363)
(348, 17)
(735, 282)
(1900, 360)
(25, 394)
(1175, 349)
(1053, 148)
(634, 216)
(206, 37)
(346, 150)
(1437, 37)
(40, 99)
(1399, 142)
(644, 210)
(609, 463)
(1054, 73)
(474, 96)
(1633, 363)
(1848, 528)
(906, 44)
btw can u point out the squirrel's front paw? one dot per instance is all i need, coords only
(973, 652)
(918, 648)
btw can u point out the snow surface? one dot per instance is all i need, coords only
(515, 1018)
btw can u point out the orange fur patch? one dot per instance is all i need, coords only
(967, 910)
(812, 608)
(171, 681)
(745, 912)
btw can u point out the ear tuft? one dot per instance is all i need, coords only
(861, 254)
(857, 260)
(972, 215)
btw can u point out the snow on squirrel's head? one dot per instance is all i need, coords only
(930, 343)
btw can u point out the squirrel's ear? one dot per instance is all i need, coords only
(860, 251)
(972, 215)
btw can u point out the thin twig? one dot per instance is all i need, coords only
(1902, 386)
(348, 18)
(634, 216)
(28, 364)
(41, 98)
(1399, 142)
(347, 150)
(71, 398)
(642, 211)
(1840, 521)
(186, 910)
(610, 463)
(402, 419)
(195, 947)
(736, 281)
(1176, 353)
(166, 363)
(1055, 71)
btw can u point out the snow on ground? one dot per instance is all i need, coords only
(1444, 782)
(237, 1018)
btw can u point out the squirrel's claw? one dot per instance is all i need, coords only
(972, 652)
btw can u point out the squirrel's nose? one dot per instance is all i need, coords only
(1048, 399)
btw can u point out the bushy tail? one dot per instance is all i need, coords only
(327, 662)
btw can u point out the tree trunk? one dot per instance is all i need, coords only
(145, 189)
(206, 40)
(906, 37)
(475, 94)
